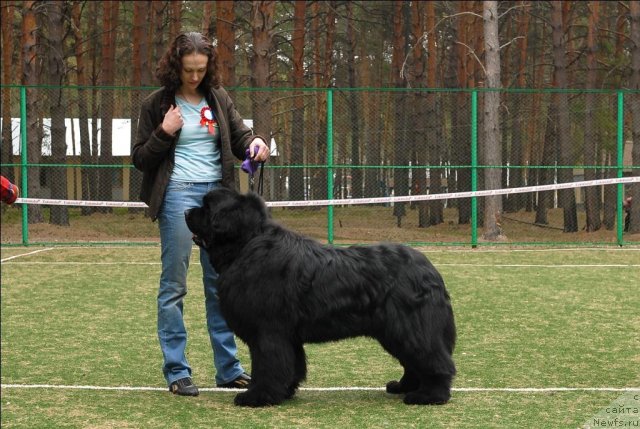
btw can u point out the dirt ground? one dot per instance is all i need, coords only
(351, 225)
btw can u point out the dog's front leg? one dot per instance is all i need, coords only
(273, 362)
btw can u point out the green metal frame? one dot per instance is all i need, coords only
(330, 166)
(619, 162)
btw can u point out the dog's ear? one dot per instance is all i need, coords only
(234, 216)
(256, 204)
(222, 200)
(224, 206)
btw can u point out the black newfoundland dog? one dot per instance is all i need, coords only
(279, 290)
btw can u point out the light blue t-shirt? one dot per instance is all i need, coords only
(197, 155)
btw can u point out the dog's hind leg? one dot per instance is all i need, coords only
(434, 390)
(435, 370)
(273, 368)
(410, 380)
(408, 383)
(421, 382)
(427, 373)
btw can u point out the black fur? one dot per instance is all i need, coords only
(279, 290)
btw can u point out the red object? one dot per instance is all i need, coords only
(207, 119)
(9, 191)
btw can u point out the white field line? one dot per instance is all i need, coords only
(439, 265)
(551, 249)
(329, 389)
(26, 254)
(81, 263)
(542, 265)
(425, 249)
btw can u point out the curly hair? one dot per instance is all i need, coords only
(170, 65)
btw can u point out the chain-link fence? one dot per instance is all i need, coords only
(71, 143)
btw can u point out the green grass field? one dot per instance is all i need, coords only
(546, 339)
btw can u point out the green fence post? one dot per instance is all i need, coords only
(474, 168)
(330, 164)
(24, 182)
(619, 162)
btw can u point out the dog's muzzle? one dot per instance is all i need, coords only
(196, 239)
(199, 241)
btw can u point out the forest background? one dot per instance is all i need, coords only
(584, 46)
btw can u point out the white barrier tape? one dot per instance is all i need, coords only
(453, 195)
(356, 201)
(50, 202)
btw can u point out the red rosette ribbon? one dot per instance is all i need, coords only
(208, 119)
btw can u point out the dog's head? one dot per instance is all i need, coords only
(226, 217)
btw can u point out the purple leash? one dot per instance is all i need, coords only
(250, 166)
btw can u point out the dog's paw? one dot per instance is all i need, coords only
(394, 387)
(398, 387)
(425, 398)
(255, 398)
(291, 391)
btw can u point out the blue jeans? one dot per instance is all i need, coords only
(176, 245)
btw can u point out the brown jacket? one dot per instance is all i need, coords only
(153, 151)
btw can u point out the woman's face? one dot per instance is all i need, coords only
(194, 67)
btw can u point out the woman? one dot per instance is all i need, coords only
(188, 134)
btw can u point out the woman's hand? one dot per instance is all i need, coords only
(172, 120)
(262, 153)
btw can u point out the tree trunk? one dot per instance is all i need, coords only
(400, 175)
(54, 30)
(296, 174)
(175, 17)
(322, 67)
(476, 78)
(262, 35)
(107, 175)
(83, 117)
(593, 197)
(34, 126)
(609, 152)
(434, 130)
(158, 13)
(420, 72)
(567, 197)
(517, 202)
(533, 141)
(146, 46)
(461, 152)
(422, 109)
(450, 110)
(140, 57)
(492, 135)
(207, 29)
(6, 13)
(374, 182)
(225, 18)
(545, 198)
(354, 105)
(93, 53)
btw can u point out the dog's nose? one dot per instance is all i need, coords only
(186, 212)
